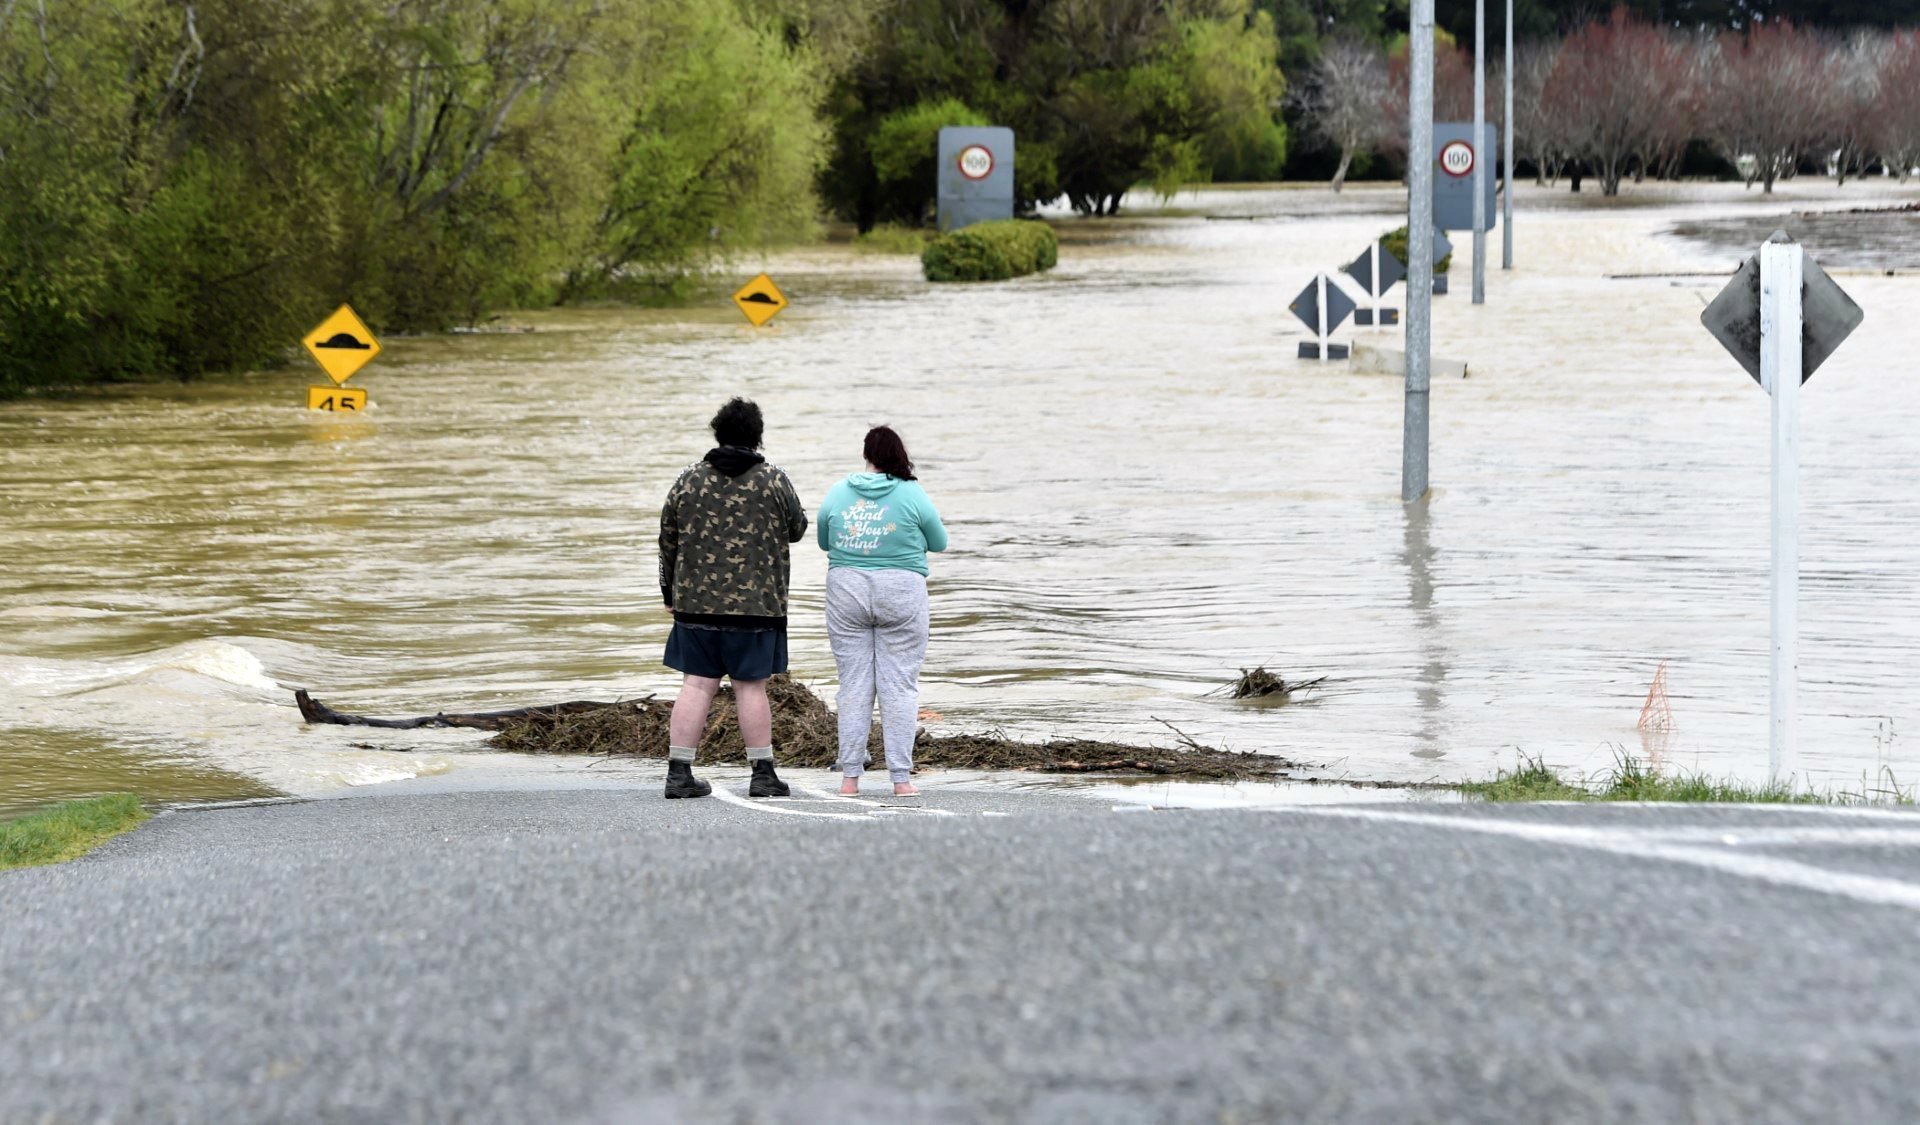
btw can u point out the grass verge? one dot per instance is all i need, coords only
(893, 238)
(67, 831)
(1633, 780)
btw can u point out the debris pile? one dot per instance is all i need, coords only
(1258, 683)
(806, 735)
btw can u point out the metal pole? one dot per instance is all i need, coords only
(1506, 165)
(1780, 269)
(1480, 154)
(1413, 447)
(1373, 284)
(1320, 292)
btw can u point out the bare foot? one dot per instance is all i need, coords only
(905, 789)
(850, 787)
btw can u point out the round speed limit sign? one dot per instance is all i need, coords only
(1456, 158)
(976, 163)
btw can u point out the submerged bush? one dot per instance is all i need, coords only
(1396, 241)
(992, 251)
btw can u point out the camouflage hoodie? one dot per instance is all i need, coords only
(724, 531)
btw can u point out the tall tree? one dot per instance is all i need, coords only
(1765, 107)
(1893, 129)
(1341, 100)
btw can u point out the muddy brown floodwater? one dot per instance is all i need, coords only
(1146, 491)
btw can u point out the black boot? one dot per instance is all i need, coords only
(682, 783)
(766, 783)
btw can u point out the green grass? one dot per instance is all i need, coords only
(67, 831)
(1632, 780)
(893, 238)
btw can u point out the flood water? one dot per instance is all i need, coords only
(1146, 493)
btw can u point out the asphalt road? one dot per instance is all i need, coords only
(604, 956)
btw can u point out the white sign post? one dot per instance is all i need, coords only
(1373, 280)
(1781, 316)
(1780, 376)
(1320, 283)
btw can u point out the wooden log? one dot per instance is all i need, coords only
(314, 711)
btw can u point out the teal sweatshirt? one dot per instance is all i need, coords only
(876, 522)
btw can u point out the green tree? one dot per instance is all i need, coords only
(186, 185)
(1102, 95)
(718, 150)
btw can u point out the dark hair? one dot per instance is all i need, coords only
(738, 423)
(886, 452)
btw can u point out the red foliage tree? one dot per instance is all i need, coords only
(1766, 104)
(1893, 130)
(1452, 91)
(1620, 91)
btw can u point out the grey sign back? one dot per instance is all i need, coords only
(1453, 185)
(973, 189)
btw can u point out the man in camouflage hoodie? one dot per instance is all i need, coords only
(724, 535)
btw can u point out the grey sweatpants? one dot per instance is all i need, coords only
(877, 622)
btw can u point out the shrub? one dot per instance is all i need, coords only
(992, 251)
(1396, 241)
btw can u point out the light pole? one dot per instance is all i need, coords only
(1506, 165)
(1480, 157)
(1413, 447)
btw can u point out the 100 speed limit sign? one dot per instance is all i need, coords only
(1456, 158)
(976, 162)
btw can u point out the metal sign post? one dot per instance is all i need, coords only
(1413, 441)
(1482, 155)
(1506, 165)
(1373, 281)
(1781, 316)
(1376, 270)
(1322, 308)
(1780, 376)
(1320, 313)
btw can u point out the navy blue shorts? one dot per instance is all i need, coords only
(741, 654)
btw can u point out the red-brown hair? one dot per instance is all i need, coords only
(887, 453)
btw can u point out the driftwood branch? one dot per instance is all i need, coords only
(314, 711)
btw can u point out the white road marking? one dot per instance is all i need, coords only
(1784, 837)
(756, 806)
(826, 795)
(1872, 889)
(1857, 812)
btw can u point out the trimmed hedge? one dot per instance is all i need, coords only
(1396, 241)
(992, 251)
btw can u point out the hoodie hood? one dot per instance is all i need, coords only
(873, 486)
(732, 460)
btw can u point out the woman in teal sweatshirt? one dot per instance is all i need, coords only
(877, 528)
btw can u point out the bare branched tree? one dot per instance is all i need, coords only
(1765, 108)
(1615, 88)
(1893, 131)
(1853, 83)
(1341, 100)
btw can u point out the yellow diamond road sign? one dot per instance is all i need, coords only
(341, 345)
(760, 299)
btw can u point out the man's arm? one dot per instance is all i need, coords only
(669, 542)
(795, 515)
